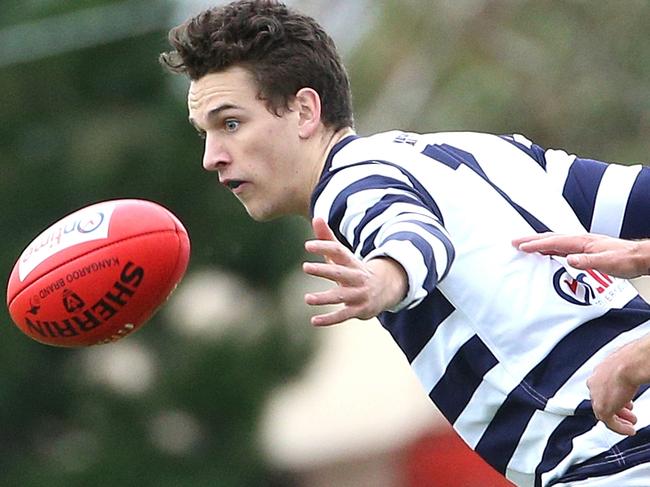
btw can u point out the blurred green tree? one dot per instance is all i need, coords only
(101, 122)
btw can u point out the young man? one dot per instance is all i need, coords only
(417, 229)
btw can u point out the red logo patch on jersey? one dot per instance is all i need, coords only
(584, 289)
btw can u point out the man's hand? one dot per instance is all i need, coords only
(613, 256)
(365, 289)
(613, 385)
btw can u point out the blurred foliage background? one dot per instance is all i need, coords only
(87, 114)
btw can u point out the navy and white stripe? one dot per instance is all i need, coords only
(599, 193)
(494, 335)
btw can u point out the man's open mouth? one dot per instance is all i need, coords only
(234, 184)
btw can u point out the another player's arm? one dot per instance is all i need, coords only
(614, 256)
(620, 199)
(617, 217)
(615, 382)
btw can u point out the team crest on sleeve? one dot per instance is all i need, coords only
(592, 287)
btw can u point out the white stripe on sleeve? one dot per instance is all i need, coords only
(612, 198)
(358, 203)
(438, 249)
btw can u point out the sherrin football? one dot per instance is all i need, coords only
(98, 274)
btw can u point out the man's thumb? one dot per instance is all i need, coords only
(321, 230)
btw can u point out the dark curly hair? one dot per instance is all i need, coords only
(283, 50)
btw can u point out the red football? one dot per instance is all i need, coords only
(98, 274)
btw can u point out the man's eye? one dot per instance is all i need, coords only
(231, 125)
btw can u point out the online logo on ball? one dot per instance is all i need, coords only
(82, 226)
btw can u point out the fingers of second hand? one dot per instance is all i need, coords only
(332, 296)
(627, 415)
(343, 275)
(332, 318)
(333, 251)
(621, 422)
(530, 238)
(621, 426)
(616, 427)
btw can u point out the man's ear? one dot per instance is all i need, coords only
(307, 105)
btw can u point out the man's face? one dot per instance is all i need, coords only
(255, 152)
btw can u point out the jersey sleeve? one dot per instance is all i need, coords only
(374, 209)
(609, 199)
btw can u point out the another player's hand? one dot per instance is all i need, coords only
(365, 289)
(612, 391)
(613, 256)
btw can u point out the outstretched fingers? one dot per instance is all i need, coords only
(333, 317)
(552, 244)
(338, 273)
(342, 267)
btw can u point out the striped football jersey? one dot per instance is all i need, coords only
(502, 341)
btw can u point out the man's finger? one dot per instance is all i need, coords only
(558, 244)
(330, 250)
(529, 238)
(626, 415)
(589, 261)
(620, 426)
(334, 272)
(607, 261)
(336, 295)
(333, 318)
(321, 230)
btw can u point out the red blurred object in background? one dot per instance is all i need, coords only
(442, 459)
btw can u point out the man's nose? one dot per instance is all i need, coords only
(215, 155)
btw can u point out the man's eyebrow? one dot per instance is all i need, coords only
(215, 112)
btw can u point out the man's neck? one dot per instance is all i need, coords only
(329, 141)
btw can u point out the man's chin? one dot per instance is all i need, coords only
(260, 215)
